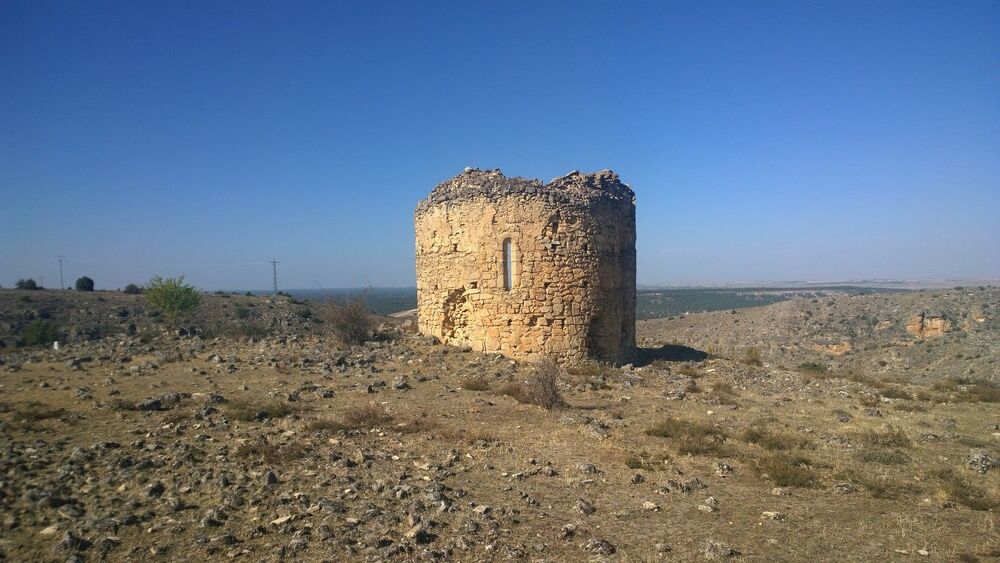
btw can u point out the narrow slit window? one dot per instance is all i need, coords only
(508, 265)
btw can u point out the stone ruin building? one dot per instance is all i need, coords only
(529, 270)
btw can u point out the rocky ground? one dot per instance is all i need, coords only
(133, 442)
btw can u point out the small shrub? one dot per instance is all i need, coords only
(132, 289)
(911, 407)
(896, 393)
(891, 437)
(39, 333)
(883, 456)
(325, 425)
(172, 296)
(84, 283)
(723, 393)
(772, 441)
(689, 370)
(541, 390)
(787, 471)
(366, 416)
(878, 487)
(247, 410)
(478, 383)
(751, 357)
(959, 490)
(692, 438)
(271, 454)
(349, 320)
(813, 368)
(28, 284)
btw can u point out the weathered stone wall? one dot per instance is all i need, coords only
(572, 257)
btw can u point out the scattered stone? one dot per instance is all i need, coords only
(717, 550)
(599, 546)
(981, 461)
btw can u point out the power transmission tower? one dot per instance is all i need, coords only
(274, 271)
(61, 284)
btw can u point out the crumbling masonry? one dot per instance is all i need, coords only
(527, 269)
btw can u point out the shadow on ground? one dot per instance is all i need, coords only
(668, 353)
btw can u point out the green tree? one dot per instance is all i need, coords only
(133, 289)
(172, 296)
(26, 284)
(84, 284)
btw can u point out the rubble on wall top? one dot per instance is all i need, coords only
(488, 184)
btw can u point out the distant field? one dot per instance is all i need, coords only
(659, 303)
(650, 304)
(381, 300)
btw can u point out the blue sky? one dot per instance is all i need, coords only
(765, 140)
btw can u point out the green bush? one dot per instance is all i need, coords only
(172, 296)
(26, 284)
(84, 284)
(39, 332)
(133, 289)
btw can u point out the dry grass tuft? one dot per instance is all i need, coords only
(271, 453)
(692, 438)
(348, 319)
(896, 393)
(772, 441)
(883, 456)
(478, 383)
(751, 357)
(959, 490)
(248, 410)
(325, 425)
(689, 370)
(367, 416)
(880, 488)
(788, 471)
(541, 390)
(723, 393)
(966, 390)
(891, 437)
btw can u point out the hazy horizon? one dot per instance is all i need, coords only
(784, 141)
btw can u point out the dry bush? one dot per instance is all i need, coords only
(772, 441)
(249, 410)
(416, 425)
(751, 357)
(478, 383)
(788, 471)
(689, 370)
(723, 393)
(271, 454)
(692, 438)
(880, 488)
(370, 415)
(965, 390)
(121, 405)
(959, 490)
(883, 456)
(891, 437)
(911, 406)
(34, 412)
(349, 319)
(813, 368)
(869, 400)
(896, 393)
(325, 425)
(541, 390)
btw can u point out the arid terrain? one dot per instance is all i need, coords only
(849, 428)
